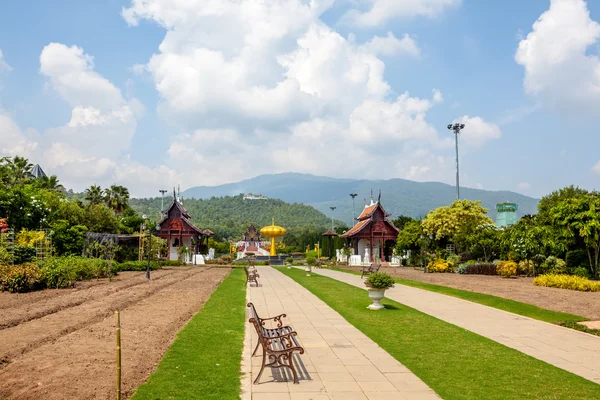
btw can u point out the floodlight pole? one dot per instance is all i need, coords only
(456, 128)
(353, 195)
(332, 209)
(162, 199)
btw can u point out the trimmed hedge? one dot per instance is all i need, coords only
(567, 282)
(478, 269)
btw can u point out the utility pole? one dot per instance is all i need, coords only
(162, 200)
(457, 128)
(353, 195)
(332, 209)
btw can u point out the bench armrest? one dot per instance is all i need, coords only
(276, 319)
(287, 340)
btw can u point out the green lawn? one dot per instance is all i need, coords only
(526, 310)
(456, 363)
(204, 361)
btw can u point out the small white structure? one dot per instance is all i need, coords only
(355, 261)
(211, 254)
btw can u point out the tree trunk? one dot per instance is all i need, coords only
(595, 271)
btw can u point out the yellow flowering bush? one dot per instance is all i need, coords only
(570, 282)
(440, 265)
(29, 238)
(507, 268)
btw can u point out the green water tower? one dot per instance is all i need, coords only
(506, 214)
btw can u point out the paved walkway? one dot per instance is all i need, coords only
(339, 361)
(564, 348)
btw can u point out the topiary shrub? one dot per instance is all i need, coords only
(226, 258)
(312, 261)
(20, 278)
(567, 282)
(289, 260)
(477, 268)
(379, 280)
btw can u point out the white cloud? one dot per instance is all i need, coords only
(390, 45)
(382, 11)
(71, 73)
(524, 186)
(271, 83)
(13, 141)
(558, 70)
(596, 168)
(3, 64)
(477, 132)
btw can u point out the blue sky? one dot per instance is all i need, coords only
(155, 93)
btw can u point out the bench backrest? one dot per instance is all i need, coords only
(375, 267)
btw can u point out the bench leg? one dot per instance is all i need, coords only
(264, 362)
(256, 349)
(291, 365)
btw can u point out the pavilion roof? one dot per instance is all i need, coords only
(357, 228)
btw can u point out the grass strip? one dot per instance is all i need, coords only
(456, 363)
(516, 307)
(204, 360)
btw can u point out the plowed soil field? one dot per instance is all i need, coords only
(60, 344)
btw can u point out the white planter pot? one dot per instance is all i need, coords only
(376, 295)
(308, 270)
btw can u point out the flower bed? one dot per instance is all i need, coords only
(569, 282)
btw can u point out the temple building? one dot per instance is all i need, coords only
(251, 243)
(178, 230)
(373, 236)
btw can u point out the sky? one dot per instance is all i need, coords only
(151, 94)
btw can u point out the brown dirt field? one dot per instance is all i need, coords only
(585, 304)
(59, 344)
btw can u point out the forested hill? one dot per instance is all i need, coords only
(229, 217)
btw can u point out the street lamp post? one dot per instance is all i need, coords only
(457, 128)
(353, 195)
(144, 226)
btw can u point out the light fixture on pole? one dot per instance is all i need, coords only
(456, 128)
(332, 210)
(353, 195)
(162, 200)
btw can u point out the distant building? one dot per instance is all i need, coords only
(37, 172)
(506, 214)
(251, 196)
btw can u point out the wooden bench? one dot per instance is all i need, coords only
(371, 269)
(251, 275)
(278, 343)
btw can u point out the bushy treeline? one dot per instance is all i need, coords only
(64, 272)
(31, 204)
(562, 238)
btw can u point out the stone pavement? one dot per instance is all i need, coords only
(573, 351)
(339, 361)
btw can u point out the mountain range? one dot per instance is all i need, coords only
(398, 196)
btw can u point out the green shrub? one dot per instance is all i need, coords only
(289, 260)
(525, 267)
(380, 280)
(20, 278)
(582, 272)
(576, 258)
(553, 266)
(226, 259)
(23, 254)
(61, 272)
(139, 265)
(453, 258)
(312, 261)
(567, 282)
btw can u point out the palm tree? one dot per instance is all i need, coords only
(94, 195)
(20, 169)
(50, 183)
(117, 198)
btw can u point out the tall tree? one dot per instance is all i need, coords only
(456, 221)
(94, 195)
(20, 169)
(117, 198)
(580, 216)
(50, 183)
